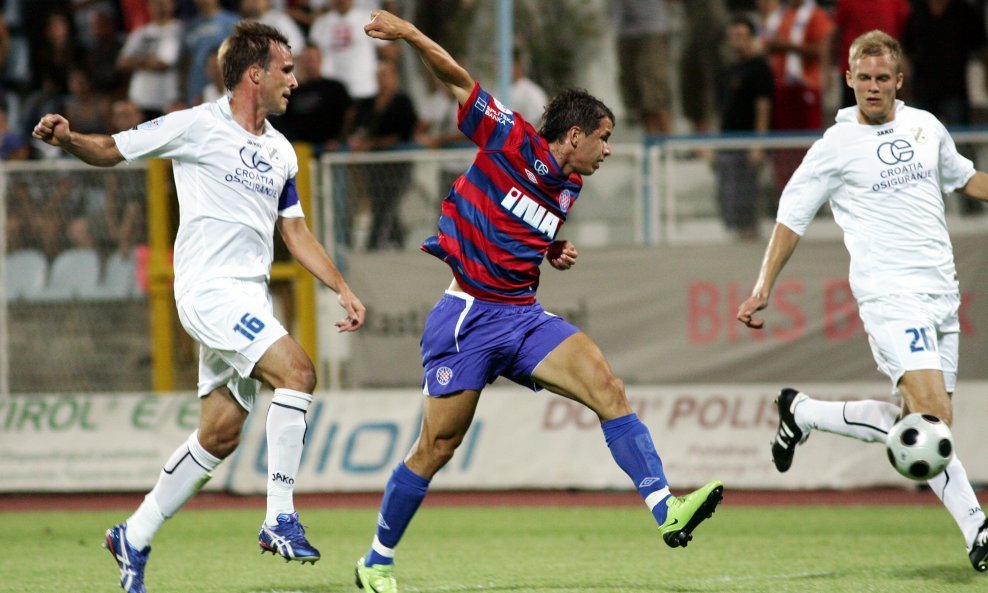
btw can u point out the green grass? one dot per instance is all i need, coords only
(535, 550)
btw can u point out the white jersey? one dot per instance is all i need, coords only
(232, 186)
(885, 184)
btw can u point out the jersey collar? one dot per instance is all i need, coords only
(849, 115)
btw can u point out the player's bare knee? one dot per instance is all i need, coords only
(441, 451)
(301, 376)
(610, 398)
(219, 443)
(306, 378)
(428, 458)
(615, 387)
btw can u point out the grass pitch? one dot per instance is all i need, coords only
(780, 549)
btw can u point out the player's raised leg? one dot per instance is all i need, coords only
(577, 369)
(799, 415)
(445, 421)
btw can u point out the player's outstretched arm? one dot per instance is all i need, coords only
(780, 248)
(309, 252)
(385, 25)
(94, 149)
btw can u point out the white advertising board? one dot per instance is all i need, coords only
(519, 439)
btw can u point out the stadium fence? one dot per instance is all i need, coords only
(85, 280)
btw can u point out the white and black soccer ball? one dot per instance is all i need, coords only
(920, 446)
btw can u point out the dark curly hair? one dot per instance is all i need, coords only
(573, 107)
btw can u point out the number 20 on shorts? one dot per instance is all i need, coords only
(920, 341)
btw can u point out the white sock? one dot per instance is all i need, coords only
(866, 420)
(185, 472)
(286, 434)
(954, 490)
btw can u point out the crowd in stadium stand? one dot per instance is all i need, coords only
(109, 64)
(79, 57)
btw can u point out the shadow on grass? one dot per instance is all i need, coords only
(949, 574)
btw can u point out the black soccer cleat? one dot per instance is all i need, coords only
(789, 434)
(979, 549)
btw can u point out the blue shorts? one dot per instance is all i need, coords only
(468, 343)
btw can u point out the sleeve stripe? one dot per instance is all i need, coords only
(289, 195)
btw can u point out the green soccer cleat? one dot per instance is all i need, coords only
(379, 578)
(687, 512)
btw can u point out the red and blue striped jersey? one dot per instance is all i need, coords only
(501, 215)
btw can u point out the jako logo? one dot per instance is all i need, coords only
(283, 479)
(531, 212)
(254, 160)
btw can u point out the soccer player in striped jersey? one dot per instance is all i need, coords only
(884, 167)
(235, 179)
(501, 218)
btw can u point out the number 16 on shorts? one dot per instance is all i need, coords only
(249, 326)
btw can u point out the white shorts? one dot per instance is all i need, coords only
(234, 323)
(911, 332)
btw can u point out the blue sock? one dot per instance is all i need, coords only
(402, 497)
(632, 448)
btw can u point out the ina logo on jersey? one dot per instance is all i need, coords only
(527, 209)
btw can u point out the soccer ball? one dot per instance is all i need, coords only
(920, 446)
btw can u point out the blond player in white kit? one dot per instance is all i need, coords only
(884, 167)
(235, 178)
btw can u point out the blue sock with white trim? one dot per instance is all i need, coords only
(402, 497)
(632, 448)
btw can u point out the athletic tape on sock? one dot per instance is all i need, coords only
(381, 549)
(656, 497)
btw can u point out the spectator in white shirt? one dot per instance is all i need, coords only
(348, 55)
(262, 10)
(151, 55)
(527, 97)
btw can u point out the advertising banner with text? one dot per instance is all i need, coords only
(666, 315)
(519, 439)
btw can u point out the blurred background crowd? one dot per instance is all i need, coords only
(109, 64)
(668, 67)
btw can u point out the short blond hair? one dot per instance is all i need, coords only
(876, 43)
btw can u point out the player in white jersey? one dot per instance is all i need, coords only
(884, 167)
(235, 177)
